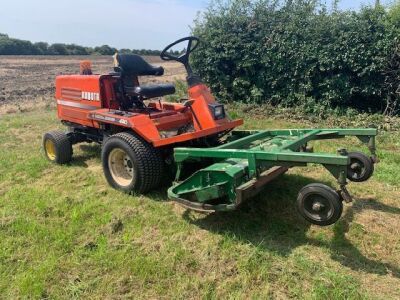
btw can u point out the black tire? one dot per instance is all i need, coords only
(361, 167)
(319, 204)
(142, 161)
(57, 147)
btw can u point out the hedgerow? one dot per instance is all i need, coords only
(11, 46)
(294, 53)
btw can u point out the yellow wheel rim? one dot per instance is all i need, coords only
(121, 167)
(50, 149)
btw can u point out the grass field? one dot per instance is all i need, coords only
(65, 234)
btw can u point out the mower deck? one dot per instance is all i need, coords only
(251, 159)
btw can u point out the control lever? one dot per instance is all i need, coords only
(188, 104)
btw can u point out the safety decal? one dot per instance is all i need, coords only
(109, 119)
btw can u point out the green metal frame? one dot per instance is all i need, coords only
(251, 157)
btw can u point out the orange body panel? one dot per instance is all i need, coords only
(75, 97)
(197, 134)
(202, 96)
(90, 100)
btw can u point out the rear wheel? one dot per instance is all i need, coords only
(57, 147)
(361, 167)
(319, 204)
(131, 164)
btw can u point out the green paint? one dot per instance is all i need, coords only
(249, 153)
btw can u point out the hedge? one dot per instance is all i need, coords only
(294, 53)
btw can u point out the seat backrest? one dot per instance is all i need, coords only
(135, 65)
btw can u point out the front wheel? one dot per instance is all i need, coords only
(131, 164)
(319, 204)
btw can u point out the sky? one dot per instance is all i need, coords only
(134, 24)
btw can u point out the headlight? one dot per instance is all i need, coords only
(217, 110)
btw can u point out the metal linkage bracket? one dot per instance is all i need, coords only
(371, 143)
(344, 194)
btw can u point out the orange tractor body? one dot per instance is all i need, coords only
(91, 100)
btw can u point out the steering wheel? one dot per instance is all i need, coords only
(184, 58)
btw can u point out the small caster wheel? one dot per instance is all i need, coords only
(361, 167)
(319, 204)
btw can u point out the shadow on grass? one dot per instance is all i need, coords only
(343, 251)
(271, 222)
(90, 151)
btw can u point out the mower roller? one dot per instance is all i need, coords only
(145, 141)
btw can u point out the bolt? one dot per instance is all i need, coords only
(317, 206)
(342, 151)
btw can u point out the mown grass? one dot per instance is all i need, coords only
(64, 233)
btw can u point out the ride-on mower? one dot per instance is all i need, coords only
(216, 167)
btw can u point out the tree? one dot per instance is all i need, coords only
(394, 15)
(58, 49)
(105, 50)
(10, 46)
(42, 48)
(125, 51)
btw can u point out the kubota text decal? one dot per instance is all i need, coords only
(90, 96)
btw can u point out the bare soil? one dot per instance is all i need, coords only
(28, 81)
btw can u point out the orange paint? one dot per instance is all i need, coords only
(91, 100)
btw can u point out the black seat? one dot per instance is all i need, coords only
(151, 91)
(130, 66)
(135, 65)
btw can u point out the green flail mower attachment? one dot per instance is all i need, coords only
(240, 168)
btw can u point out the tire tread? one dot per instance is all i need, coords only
(149, 161)
(63, 146)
